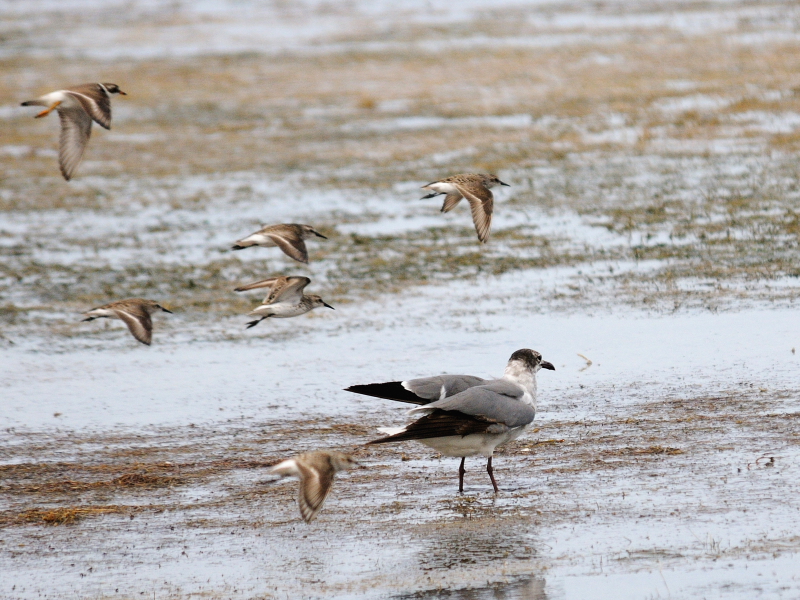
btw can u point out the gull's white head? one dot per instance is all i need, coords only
(529, 360)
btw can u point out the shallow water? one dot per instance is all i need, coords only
(373, 537)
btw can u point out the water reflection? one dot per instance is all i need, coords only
(476, 543)
(532, 588)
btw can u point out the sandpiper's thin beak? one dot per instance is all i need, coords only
(87, 319)
(167, 311)
(547, 365)
(328, 305)
(320, 235)
(121, 93)
(505, 184)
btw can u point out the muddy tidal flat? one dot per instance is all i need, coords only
(648, 246)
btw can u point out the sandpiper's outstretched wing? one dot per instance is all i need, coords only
(94, 101)
(316, 480)
(290, 291)
(419, 391)
(270, 282)
(450, 202)
(138, 321)
(76, 128)
(481, 203)
(290, 242)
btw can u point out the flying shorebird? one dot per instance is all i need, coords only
(316, 471)
(285, 299)
(475, 187)
(287, 236)
(466, 415)
(134, 312)
(77, 107)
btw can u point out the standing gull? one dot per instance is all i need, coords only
(134, 312)
(285, 299)
(77, 107)
(289, 237)
(316, 471)
(475, 187)
(468, 416)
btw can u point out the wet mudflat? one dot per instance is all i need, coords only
(650, 227)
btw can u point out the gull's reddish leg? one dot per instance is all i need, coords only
(490, 471)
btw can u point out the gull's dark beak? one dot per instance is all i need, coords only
(328, 305)
(547, 365)
(505, 184)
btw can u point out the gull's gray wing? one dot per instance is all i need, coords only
(441, 386)
(419, 391)
(443, 423)
(491, 408)
(496, 402)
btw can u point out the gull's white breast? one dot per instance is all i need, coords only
(472, 444)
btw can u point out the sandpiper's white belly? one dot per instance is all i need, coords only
(259, 239)
(472, 444)
(443, 188)
(279, 310)
(67, 101)
(103, 312)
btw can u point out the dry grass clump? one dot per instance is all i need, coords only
(129, 480)
(66, 515)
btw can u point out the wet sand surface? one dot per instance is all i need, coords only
(647, 247)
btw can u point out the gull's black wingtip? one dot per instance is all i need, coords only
(391, 390)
